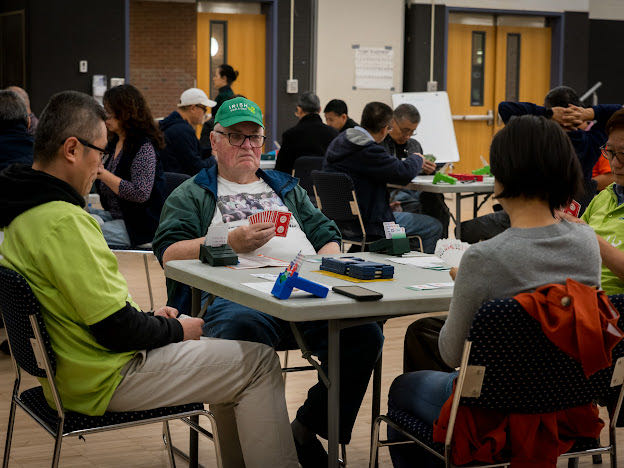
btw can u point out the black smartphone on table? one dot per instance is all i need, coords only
(358, 293)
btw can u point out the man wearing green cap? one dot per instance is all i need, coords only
(228, 193)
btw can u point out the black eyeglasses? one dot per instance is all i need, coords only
(609, 154)
(202, 107)
(103, 152)
(238, 139)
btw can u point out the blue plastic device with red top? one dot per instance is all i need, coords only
(285, 282)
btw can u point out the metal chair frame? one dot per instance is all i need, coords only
(44, 364)
(475, 375)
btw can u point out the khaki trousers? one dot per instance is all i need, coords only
(240, 380)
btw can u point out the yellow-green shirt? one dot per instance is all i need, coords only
(60, 250)
(606, 217)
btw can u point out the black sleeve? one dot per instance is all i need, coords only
(508, 109)
(129, 329)
(285, 157)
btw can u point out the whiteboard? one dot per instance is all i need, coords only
(435, 131)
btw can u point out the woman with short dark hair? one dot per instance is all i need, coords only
(130, 182)
(536, 172)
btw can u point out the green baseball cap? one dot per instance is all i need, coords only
(238, 110)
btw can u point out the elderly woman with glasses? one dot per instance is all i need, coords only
(130, 182)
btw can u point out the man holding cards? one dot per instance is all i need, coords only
(266, 213)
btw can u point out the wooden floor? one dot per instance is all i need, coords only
(143, 446)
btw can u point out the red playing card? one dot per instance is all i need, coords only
(573, 208)
(281, 223)
(253, 219)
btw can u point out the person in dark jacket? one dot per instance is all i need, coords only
(34, 121)
(222, 80)
(182, 152)
(16, 144)
(562, 105)
(310, 137)
(337, 115)
(357, 152)
(131, 183)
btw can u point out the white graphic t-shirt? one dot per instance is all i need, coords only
(236, 202)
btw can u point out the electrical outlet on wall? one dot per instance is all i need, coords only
(292, 86)
(83, 66)
(432, 86)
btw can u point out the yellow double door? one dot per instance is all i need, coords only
(487, 64)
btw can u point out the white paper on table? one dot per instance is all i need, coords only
(428, 286)
(258, 261)
(265, 276)
(422, 262)
(267, 286)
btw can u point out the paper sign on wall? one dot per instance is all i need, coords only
(374, 67)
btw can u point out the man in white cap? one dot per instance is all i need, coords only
(182, 153)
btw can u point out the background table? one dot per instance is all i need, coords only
(340, 311)
(461, 190)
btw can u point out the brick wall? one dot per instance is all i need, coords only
(163, 51)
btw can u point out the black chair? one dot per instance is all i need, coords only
(31, 351)
(303, 167)
(509, 365)
(336, 198)
(172, 180)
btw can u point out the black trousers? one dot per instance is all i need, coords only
(420, 349)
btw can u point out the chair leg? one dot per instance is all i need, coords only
(149, 281)
(284, 373)
(215, 437)
(343, 452)
(57, 446)
(168, 443)
(9, 435)
(372, 462)
(573, 462)
(597, 459)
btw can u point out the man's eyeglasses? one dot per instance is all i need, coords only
(609, 154)
(202, 107)
(238, 139)
(103, 152)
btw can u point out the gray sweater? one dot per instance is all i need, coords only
(517, 260)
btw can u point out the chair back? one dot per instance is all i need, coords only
(302, 170)
(335, 196)
(24, 324)
(172, 180)
(524, 371)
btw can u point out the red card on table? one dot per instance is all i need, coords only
(573, 208)
(282, 220)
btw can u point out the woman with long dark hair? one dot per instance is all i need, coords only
(130, 182)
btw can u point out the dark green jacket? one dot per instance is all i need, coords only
(190, 208)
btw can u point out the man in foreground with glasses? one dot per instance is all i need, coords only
(182, 153)
(110, 356)
(605, 213)
(229, 193)
(400, 144)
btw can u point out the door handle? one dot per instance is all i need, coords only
(489, 117)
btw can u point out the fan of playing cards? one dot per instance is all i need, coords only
(451, 250)
(281, 219)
